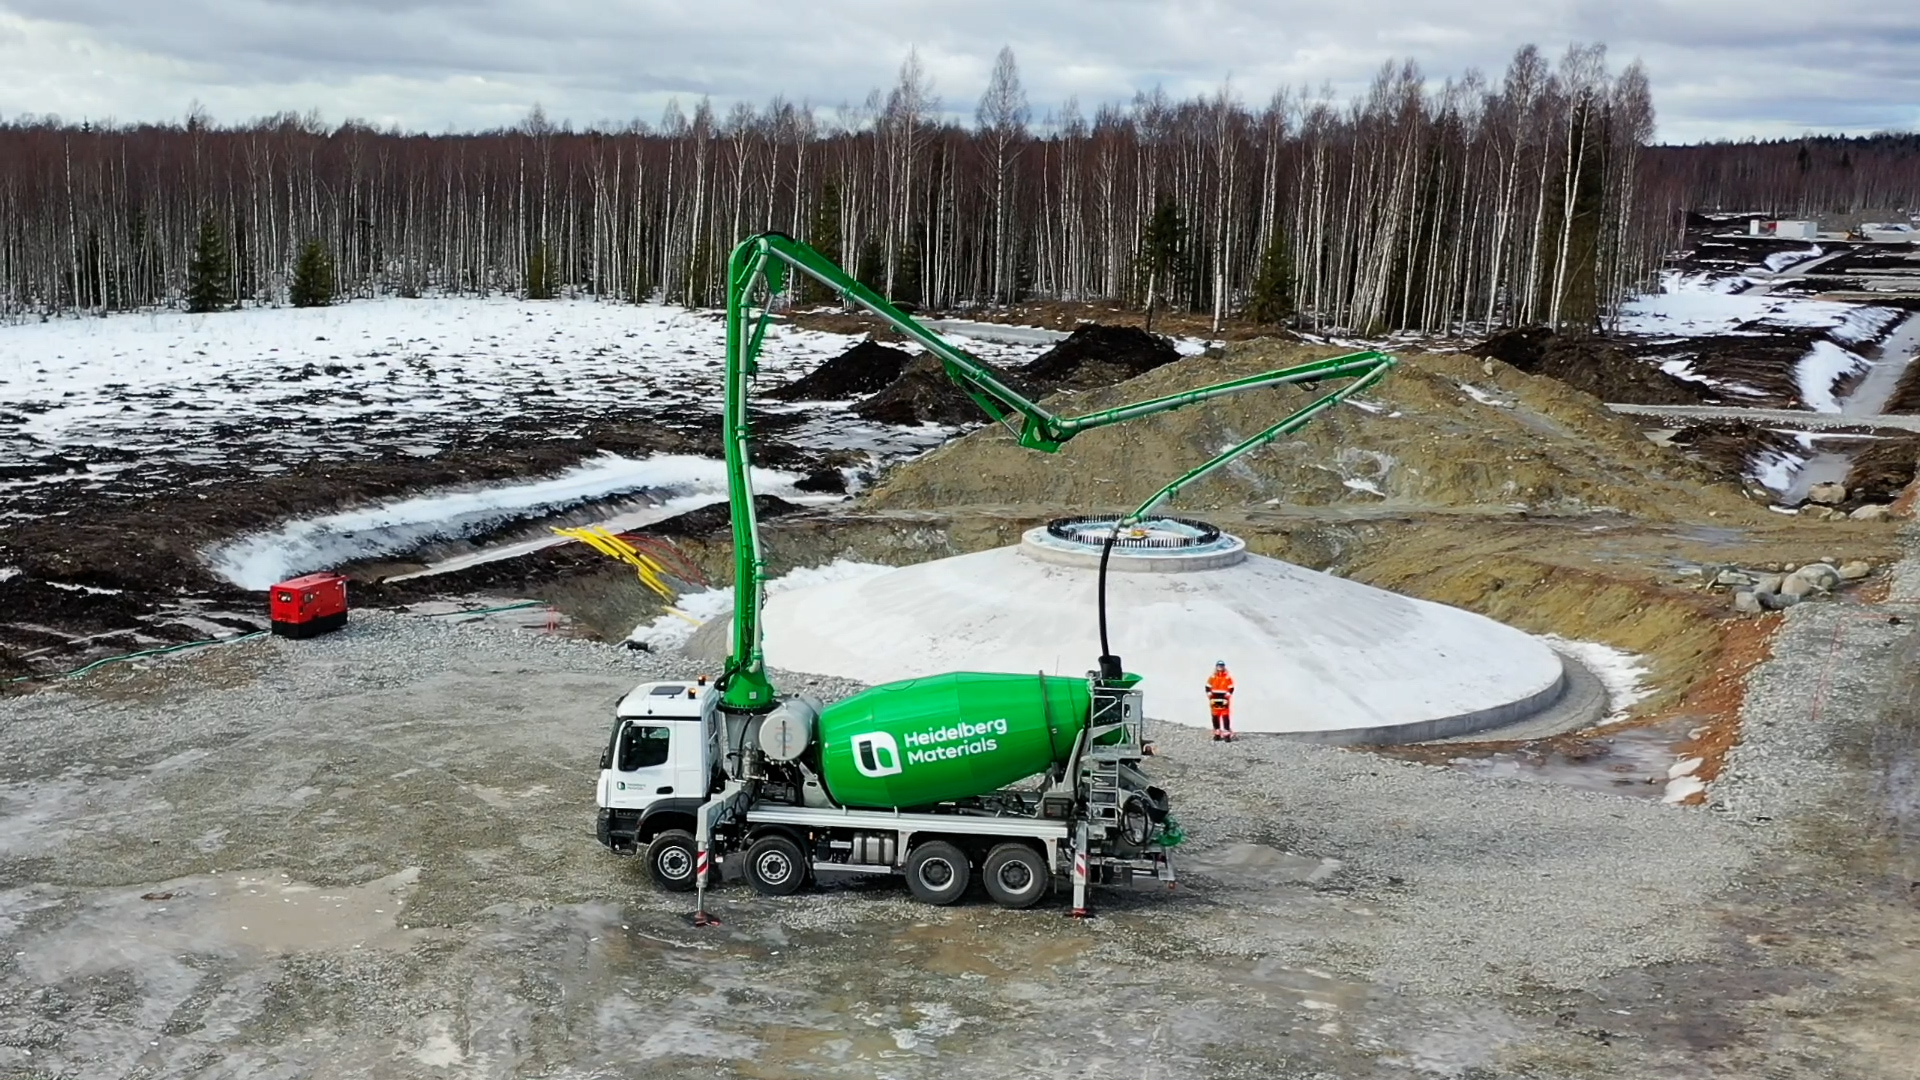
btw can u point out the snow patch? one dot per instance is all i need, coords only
(1774, 469)
(1483, 397)
(1622, 673)
(1780, 260)
(258, 561)
(1823, 366)
(671, 630)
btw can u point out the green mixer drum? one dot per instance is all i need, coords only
(946, 737)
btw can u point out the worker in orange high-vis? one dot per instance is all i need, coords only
(1220, 702)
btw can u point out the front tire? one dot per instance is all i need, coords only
(1016, 876)
(775, 866)
(937, 873)
(671, 861)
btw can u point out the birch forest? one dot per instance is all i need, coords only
(1419, 205)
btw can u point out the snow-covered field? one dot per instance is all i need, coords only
(674, 483)
(1701, 305)
(85, 401)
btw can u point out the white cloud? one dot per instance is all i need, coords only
(1720, 68)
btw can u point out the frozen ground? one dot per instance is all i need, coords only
(677, 483)
(118, 405)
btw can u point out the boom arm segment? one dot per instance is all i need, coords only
(766, 259)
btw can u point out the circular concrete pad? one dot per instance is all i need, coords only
(1313, 656)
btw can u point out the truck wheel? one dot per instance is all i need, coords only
(1015, 876)
(670, 860)
(775, 866)
(937, 873)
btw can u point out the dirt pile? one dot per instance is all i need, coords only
(1444, 431)
(1592, 364)
(1095, 355)
(866, 368)
(1883, 470)
(1730, 448)
(921, 395)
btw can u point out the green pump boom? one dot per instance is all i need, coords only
(764, 260)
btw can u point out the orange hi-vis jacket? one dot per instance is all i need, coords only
(1219, 690)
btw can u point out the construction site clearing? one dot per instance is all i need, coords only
(371, 853)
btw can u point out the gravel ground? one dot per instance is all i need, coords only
(371, 855)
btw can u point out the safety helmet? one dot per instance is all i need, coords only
(1220, 663)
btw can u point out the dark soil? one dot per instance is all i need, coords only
(1883, 470)
(867, 368)
(922, 394)
(1095, 356)
(1601, 367)
(1728, 447)
(1906, 396)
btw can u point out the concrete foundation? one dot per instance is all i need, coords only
(1313, 656)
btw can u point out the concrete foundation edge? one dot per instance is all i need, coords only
(1569, 704)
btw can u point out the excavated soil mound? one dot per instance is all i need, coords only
(1443, 431)
(921, 395)
(864, 369)
(1883, 470)
(1095, 355)
(1590, 364)
(1729, 447)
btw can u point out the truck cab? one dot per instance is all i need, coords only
(658, 764)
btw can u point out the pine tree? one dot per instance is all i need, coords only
(1270, 300)
(823, 235)
(209, 276)
(312, 276)
(1160, 248)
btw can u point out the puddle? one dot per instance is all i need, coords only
(1636, 761)
(231, 912)
(1258, 866)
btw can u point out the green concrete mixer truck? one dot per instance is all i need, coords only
(1027, 780)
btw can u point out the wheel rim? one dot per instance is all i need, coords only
(1016, 877)
(774, 868)
(674, 864)
(936, 873)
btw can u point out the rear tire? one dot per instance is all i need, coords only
(775, 866)
(671, 861)
(1016, 876)
(937, 873)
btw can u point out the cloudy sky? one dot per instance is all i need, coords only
(1720, 68)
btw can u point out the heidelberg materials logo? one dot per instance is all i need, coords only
(877, 753)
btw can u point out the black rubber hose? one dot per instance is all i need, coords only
(1109, 663)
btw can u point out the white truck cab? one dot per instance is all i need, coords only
(658, 768)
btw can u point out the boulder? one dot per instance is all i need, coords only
(1855, 570)
(1777, 601)
(1827, 494)
(1811, 578)
(1746, 603)
(1732, 577)
(1768, 583)
(1872, 513)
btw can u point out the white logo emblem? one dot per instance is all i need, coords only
(875, 754)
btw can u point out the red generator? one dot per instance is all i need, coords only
(308, 606)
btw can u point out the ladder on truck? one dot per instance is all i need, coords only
(1103, 768)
